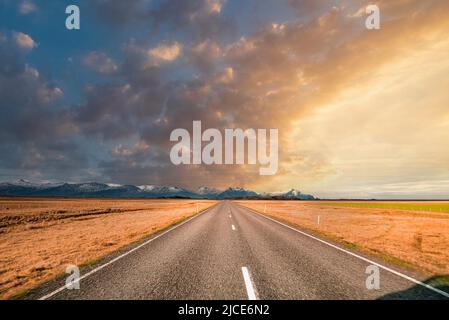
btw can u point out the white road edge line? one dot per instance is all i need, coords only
(249, 284)
(126, 253)
(441, 292)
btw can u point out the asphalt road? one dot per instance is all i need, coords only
(230, 252)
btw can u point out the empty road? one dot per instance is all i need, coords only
(230, 252)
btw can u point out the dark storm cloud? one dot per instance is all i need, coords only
(27, 100)
(139, 99)
(195, 18)
(204, 55)
(202, 17)
(147, 103)
(33, 128)
(100, 62)
(135, 167)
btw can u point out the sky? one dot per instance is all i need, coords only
(361, 113)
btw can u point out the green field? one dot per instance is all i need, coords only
(402, 205)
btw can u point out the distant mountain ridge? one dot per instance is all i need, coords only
(103, 190)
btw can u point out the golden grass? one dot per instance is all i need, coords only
(40, 237)
(431, 206)
(413, 239)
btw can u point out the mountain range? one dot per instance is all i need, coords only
(102, 190)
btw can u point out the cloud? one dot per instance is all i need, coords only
(204, 55)
(200, 19)
(24, 41)
(166, 52)
(100, 62)
(341, 96)
(35, 132)
(226, 76)
(282, 73)
(27, 7)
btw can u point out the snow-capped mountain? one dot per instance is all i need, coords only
(23, 187)
(152, 191)
(28, 184)
(112, 190)
(24, 183)
(293, 194)
(237, 193)
(208, 192)
(147, 188)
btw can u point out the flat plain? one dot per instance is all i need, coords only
(40, 237)
(431, 206)
(411, 239)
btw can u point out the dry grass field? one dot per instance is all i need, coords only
(40, 237)
(431, 206)
(413, 239)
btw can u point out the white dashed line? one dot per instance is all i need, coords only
(249, 284)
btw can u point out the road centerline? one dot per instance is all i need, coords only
(252, 295)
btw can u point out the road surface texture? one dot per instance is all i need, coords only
(230, 252)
